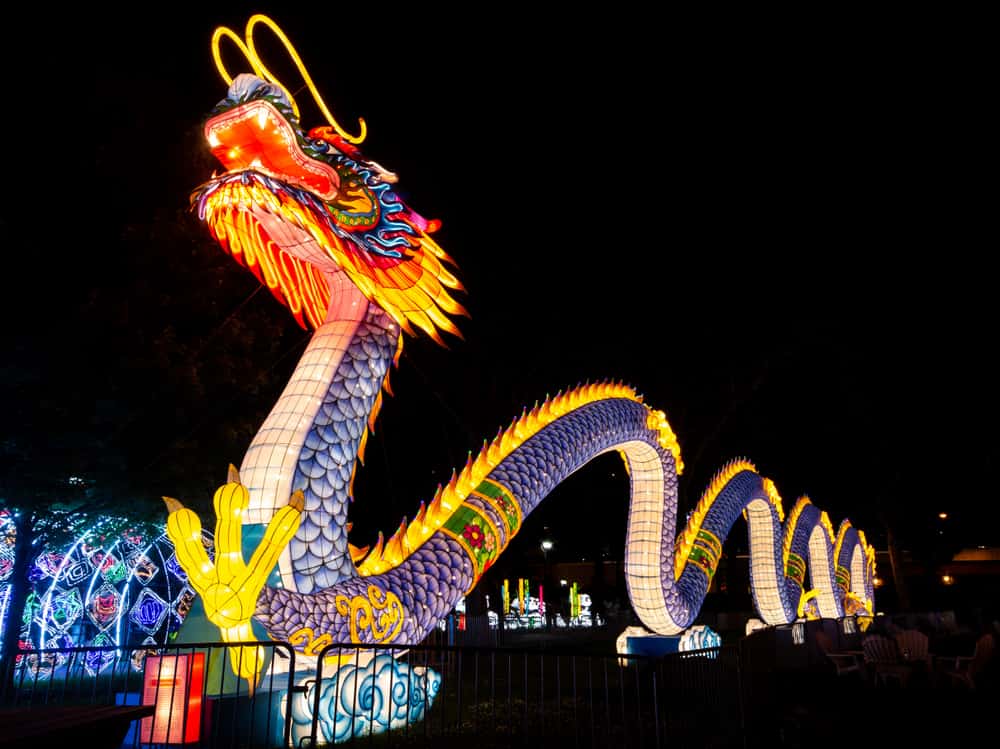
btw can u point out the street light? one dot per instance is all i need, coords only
(546, 546)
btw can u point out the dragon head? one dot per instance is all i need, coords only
(301, 209)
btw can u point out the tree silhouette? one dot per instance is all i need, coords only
(149, 382)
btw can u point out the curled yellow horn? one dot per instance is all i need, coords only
(249, 50)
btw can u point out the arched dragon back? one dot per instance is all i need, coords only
(322, 227)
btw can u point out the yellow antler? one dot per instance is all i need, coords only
(249, 51)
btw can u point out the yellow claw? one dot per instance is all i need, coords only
(805, 598)
(229, 588)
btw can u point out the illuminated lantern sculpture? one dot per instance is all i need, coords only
(322, 227)
(101, 590)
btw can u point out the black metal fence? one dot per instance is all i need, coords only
(422, 695)
(198, 699)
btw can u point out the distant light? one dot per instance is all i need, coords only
(943, 515)
(799, 633)
(562, 583)
(947, 579)
(878, 582)
(546, 545)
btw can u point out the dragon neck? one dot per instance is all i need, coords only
(314, 433)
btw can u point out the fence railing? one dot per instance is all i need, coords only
(198, 699)
(420, 695)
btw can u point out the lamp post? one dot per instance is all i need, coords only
(546, 547)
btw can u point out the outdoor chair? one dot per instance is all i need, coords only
(966, 668)
(914, 647)
(843, 662)
(882, 658)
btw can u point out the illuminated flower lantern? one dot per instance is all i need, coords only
(101, 591)
(324, 229)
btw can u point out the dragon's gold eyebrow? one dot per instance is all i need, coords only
(250, 53)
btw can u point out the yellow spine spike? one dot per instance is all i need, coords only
(399, 351)
(869, 552)
(775, 498)
(621, 454)
(520, 426)
(373, 562)
(559, 402)
(535, 416)
(793, 517)
(449, 499)
(559, 405)
(394, 550)
(494, 450)
(357, 554)
(350, 485)
(845, 525)
(464, 484)
(657, 421)
(481, 464)
(682, 548)
(434, 510)
(824, 520)
(529, 421)
(379, 545)
(507, 441)
(414, 536)
(361, 447)
(376, 407)
(573, 399)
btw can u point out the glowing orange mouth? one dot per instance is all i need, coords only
(254, 136)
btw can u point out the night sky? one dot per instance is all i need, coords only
(779, 245)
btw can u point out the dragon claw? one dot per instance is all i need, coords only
(173, 505)
(228, 586)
